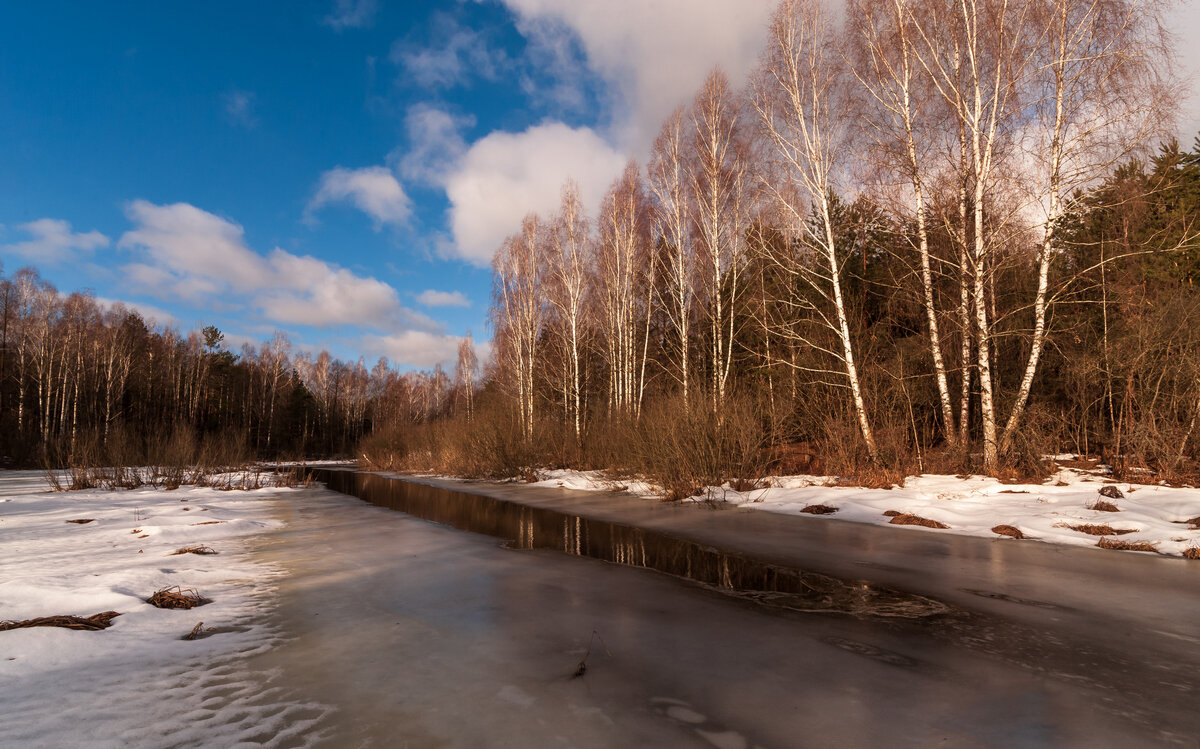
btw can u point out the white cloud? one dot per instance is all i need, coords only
(435, 144)
(149, 312)
(650, 56)
(653, 55)
(239, 107)
(432, 298)
(373, 190)
(320, 294)
(452, 56)
(53, 242)
(505, 175)
(183, 242)
(185, 253)
(416, 348)
(351, 14)
(1187, 16)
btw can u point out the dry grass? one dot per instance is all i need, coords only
(872, 477)
(1008, 530)
(1118, 545)
(1099, 529)
(202, 550)
(1111, 492)
(1081, 464)
(81, 521)
(196, 633)
(209, 522)
(165, 459)
(745, 485)
(903, 518)
(1191, 552)
(819, 509)
(1102, 506)
(90, 623)
(177, 598)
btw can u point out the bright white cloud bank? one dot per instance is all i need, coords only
(505, 175)
(53, 241)
(373, 190)
(190, 254)
(653, 55)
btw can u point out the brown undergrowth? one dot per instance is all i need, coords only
(201, 550)
(1099, 529)
(174, 597)
(904, 518)
(1119, 545)
(1008, 530)
(91, 623)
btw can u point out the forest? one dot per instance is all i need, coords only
(81, 381)
(924, 236)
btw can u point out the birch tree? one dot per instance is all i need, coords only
(719, 179)
(567, 284)
(975, 55)
(671, 211)
(465, 373)
(902, 128)
(519, 311)
(1096, 86)
(799, 97)
(621, 253)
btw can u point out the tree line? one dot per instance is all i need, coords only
(79, 377)
(922, 225)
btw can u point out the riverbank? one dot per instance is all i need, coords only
(369, 627)
(1073, 507)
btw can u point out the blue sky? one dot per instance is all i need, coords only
(340, 170)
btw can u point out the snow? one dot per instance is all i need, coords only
(970, 505)
(138, 682)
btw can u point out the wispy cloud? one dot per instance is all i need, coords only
(239, 107)
(149, 312)
(52, 242)
(374, 190)
(432, 298)
(351, 14)
(452, 56)
(415, 348)
(435, 144)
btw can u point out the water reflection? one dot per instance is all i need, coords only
(526, 527)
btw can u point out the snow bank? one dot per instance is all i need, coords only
(138, 682)
(970, 506)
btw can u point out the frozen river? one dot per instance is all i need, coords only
(420, 634)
